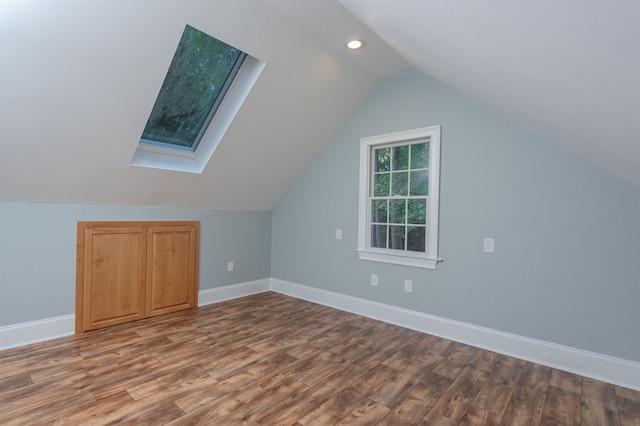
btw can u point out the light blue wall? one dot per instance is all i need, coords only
(567, 235)
(38, 251)
(566, 267)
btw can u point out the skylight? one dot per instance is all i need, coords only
(204, 88)
(200, 74)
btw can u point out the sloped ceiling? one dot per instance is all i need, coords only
(78, 80)
(569, 71)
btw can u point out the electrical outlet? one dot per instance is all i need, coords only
(489, 245)
(230, 266)
(338, 234)
(374, 279)
(408, 286)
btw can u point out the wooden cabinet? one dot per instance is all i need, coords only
(132, 270)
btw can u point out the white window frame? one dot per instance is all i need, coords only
(429, 259)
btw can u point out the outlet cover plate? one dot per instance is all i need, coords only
(489, 245)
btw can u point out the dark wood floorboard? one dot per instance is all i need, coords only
(270, 359)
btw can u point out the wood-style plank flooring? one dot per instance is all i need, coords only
(270, 359)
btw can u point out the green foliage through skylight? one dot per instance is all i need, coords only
(201, 72)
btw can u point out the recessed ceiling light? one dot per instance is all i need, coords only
(355, 44)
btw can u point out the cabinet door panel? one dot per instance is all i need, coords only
(171, 276)
(114, 269)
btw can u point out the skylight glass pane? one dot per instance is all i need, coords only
(200, 74)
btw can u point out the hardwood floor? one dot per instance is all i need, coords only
(269, 359)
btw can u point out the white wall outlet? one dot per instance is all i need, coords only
(230, 266)
(338, 234)
(374, 279)
(489, 245)
(408, 286)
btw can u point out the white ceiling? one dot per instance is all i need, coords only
(78, 80)
(567, 70)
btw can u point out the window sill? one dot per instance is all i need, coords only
(416, 262)
(156, 157)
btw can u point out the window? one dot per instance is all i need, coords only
(203, 89)
(200, 74)
(399, 194)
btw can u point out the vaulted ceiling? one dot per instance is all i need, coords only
(78, 80)
(569, 71)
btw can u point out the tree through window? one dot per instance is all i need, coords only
(200, 74)
(399, 197)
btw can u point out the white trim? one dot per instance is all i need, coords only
(234, 291)
(418, 262)
(176, 159)
(429, 259)
(618, 371)
(165, 150)
(25, 333)
(610, 369)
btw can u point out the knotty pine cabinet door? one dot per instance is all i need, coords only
(171, 272)
(131, 270)
(113, 269)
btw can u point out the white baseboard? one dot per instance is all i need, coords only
(234, 291)
(25, 333)
(589, 364)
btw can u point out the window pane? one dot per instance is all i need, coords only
(398, 201)
(381, 185)
(396, 237)
(401, 157)
(400, 183)
(420, 182)
(417, 211)
(398, 209)
(416, 238)
(379, 211)
(379, 236)
(420, 156)
(195, 80)
(382, 160)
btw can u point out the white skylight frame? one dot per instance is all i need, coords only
(184, 160)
